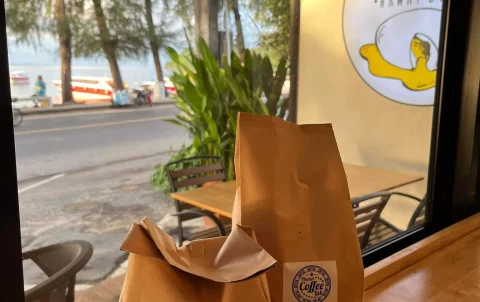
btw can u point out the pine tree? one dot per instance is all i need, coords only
(206, 24)
(112, 29)
(160, 34)
(238, 26)
(273, 16)
(29, 20)
(65, 49)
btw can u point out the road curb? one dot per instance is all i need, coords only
(74, 108)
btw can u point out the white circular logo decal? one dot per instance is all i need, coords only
(311, 284)
(393, 45)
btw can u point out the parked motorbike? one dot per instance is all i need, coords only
(142, 97)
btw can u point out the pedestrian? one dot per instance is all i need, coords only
(40, 87)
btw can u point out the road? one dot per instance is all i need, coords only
(49, 144)
(86, 176)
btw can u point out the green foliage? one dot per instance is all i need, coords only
(125, 20)
(22, 21)
(210, 96)
(166, 31)
(185, 10)
(184, 58)
(28, 20)
(273, 16)
(159, 177)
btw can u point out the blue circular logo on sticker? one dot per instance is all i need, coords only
(311, 284)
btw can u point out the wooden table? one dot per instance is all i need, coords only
(441, 268)
(361, 180)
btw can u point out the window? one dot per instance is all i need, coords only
(370, 69)
(397, 80)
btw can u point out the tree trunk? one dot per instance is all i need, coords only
(65, 47)
(158, 66)
(108, 45)
(152, 36)
(239, 28)
(116, 75)
(206, 24)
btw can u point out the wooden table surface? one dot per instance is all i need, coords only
(361, 180)
(444, 267)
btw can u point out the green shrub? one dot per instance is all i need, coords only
(209, 97)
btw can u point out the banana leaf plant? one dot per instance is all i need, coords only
(210, 95)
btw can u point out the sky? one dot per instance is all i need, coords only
(47, 55)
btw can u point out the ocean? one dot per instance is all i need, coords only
(133, 76)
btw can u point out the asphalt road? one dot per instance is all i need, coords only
(85, 176)
(59, 143)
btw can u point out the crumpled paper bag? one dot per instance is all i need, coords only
(225, 269)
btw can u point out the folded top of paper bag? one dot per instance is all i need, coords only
(222, 259)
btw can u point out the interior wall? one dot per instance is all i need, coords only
(371, 130)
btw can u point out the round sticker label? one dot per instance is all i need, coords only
(393, 45)
(311, 284)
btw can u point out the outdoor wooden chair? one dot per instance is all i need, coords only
(367, 210)
(418, 216)
(60, 262)
(195, 172)
(382, 229)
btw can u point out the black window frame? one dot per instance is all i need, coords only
(454, 149)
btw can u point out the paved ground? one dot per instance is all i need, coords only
(86, 176)
(50, 144)
(28, 107)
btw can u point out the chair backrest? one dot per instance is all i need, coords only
(60, 262)
(418, 216)
(195, 171)
(367, 210)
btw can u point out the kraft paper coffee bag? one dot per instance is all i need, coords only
(223, 269)
(292, 190)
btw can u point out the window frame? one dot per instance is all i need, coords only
(11, 281)
(455, 129)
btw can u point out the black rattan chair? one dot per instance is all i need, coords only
(60, 262)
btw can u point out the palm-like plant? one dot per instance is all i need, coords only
(210, 96)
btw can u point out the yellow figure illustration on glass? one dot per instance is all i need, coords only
(417, 79)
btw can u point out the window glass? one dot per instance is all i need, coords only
(369, 68)
(156, 82)
(91, 151)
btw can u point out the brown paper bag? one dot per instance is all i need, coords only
(292, 190)
(200, 271)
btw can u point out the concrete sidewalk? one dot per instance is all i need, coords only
(83, 107)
